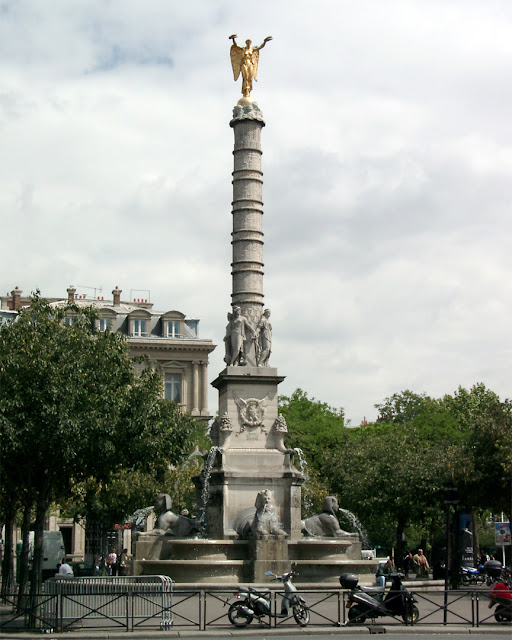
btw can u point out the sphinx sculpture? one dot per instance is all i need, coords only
(325, 524)
(171, 524)
(259, 522)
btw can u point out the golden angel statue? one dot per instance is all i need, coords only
(245, 60)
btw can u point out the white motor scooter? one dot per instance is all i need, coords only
(252, 603)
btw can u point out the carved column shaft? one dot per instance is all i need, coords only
(247, 236)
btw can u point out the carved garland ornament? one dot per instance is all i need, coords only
(225, 423)
(280, 424)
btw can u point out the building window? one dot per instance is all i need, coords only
(139, 327)
(173, 387)
(104, 324)
(193, 326)
(69, 322)
(173, 329)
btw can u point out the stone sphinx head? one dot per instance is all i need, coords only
(264, 500)
(163, 502)
(330, 505)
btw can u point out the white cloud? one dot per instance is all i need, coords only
(387, 162)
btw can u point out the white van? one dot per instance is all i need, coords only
(53, 551)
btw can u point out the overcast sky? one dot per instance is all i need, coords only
(387, 176)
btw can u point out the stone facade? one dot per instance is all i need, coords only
(170, 340)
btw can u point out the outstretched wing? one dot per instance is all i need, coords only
(255, 59)
(236, 54)
(240, 402)
(263, 402)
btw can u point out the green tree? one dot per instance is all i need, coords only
(485, 478)
(72, 408)
(390, 478)
(314, 427)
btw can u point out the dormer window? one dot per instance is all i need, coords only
(70, 321)
(173, 329)
(104, 324)
(139, 327)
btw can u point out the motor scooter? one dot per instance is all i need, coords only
(472, 575)
(252, 603)
(500, 593)
(373, 602)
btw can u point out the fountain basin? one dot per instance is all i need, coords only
(325, 548)
(189, 560)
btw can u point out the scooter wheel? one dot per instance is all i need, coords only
(502, 618)
(411, 615)
(237, 616)
(356, 616)
(301, 615)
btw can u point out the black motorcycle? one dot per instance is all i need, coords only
(373, 602)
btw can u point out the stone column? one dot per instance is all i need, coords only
(195, 389)
(204, 389)
(247, 265)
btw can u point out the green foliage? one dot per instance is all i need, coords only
(313, 426)
(75, 419)
(485, 480)
(389, 477)
(391, 473)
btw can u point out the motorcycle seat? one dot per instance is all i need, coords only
(373, 590)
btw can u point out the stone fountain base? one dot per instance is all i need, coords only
(320, 560)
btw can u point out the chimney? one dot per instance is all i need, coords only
(16, 299)
(71, 293)
(117, 296)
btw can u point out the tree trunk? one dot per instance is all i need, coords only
(400, 542)
(22, 575)
(8, 557)
(36, 578)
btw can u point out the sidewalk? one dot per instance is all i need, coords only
(255, 632)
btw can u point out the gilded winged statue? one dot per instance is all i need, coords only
(245, 60)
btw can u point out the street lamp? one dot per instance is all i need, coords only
(450, 499)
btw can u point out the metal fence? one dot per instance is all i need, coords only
(124, 602)
(147, 601)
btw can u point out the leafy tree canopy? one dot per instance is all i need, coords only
(72, 408)
(313, 426)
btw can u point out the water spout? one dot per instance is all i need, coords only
(177, 485)
(355, 522)
(138, 517)
(307, 503)
(207, 472)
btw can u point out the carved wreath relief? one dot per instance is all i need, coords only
(252, 411)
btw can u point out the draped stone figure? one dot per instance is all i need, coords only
(239, 328)
(227, 339)
(244, 60)
(264, 339)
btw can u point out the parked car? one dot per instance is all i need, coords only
(81, 569)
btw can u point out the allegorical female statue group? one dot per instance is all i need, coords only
(240, 335)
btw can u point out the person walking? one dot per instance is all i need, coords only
(407, 562)
(421, 566)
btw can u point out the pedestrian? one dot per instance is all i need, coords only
(384, 571)
(407, 562)
(65, 568)
(421, 566)
(112, 562)
(123, 561)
